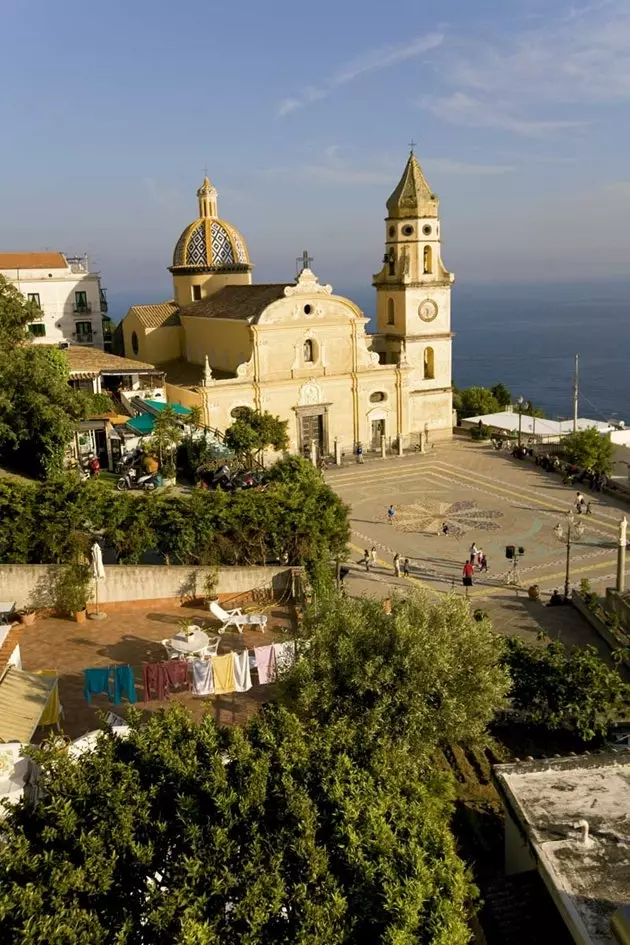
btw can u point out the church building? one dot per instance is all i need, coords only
(298, 350)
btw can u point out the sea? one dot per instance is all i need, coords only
(526, 337)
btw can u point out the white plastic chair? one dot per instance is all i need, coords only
(236, 618)
(171, 654)
(212, 648)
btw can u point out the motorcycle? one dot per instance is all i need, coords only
(220, 478)
(131, 480)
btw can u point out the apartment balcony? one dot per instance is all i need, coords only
(103, 301)
(83, 308)
(82, 339)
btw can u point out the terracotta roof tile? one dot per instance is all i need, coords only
(32, 261)
(241, 302)
(160, 315)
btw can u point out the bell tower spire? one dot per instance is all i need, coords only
(207, 197)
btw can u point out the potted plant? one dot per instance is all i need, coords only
(210, 583)
(184, 628)
(26, 616)
(72, 589)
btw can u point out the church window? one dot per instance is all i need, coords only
(307, 309)
(428, 260)
(391, 312)
(378, 397)
(426, 230)
(408, 231)
(429, 364)
(392, 231)
(134, 343)
(309, 353)
(196, 293)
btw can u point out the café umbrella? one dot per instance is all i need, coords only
(98, 573)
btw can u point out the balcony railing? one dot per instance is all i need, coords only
(83, 308)
(104, 307)
(82, 339)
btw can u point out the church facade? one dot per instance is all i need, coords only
(297, 349)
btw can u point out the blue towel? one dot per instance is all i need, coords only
(124, 682)
(97, 680)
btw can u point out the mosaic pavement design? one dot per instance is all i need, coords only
(462, 517)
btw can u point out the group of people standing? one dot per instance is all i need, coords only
(401, 565)
(477, 559)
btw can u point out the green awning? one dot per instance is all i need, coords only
(158, 405)
(142, 424)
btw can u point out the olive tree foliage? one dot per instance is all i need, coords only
(425, 675)
(589, 449)
(38, 408)
(187, 834)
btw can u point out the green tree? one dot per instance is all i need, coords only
(501, 394)
(187, 833)
(572, 690)
(167, 433)
(424, 675)
(15, 315)
(589, 449)
(477, 401)
(254, 431)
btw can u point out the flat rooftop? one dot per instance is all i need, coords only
(548, 798)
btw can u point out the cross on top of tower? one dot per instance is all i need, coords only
(412, 145)
(303, 262)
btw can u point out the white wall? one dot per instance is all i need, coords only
(56, 288)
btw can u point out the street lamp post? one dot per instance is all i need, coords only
(568, 533)
(519, 404)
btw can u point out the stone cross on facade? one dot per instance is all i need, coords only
(303, 262)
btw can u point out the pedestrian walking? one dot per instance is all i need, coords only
(406, 567)
(483, 561)
(390, 514)
(444, 528)
(579, 502)
(474, 551)
(373, 554)
(480, 557)
(588, 508)
(467, 576)
(359, 452)
(397, 564)
(366, 560)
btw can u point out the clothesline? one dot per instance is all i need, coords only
(213, 675)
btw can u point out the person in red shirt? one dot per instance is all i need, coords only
(467, 572)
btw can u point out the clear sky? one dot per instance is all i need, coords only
(302, 114)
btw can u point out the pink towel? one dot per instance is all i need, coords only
(265, 663)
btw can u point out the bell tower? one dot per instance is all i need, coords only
(413, 293)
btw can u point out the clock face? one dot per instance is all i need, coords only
(427, 310)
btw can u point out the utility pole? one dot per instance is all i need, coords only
(575, 393)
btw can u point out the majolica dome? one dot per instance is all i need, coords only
(208, 243)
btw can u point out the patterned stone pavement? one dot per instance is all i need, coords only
(485, 496)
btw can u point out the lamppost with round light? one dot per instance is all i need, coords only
(569, 532)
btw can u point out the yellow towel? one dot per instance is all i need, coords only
(53, 706)
(223, 670)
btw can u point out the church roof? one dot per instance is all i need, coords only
(413, 196)
(209, 243)
(240, 302)
(159, 315)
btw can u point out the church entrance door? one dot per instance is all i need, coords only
(312, 429)
(378, 430)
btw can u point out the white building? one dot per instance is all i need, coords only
(69, 298)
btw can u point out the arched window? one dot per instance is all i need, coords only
(429, 364)
(428, 259)
(391, 259)
(391, 312)
(309, 354)
(134, 342)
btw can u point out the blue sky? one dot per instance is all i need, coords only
(302, 114)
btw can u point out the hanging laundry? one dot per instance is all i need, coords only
(177, 673)
(265, 663)
(124, 683)
(223, 670)
(96, 681)
(242, 677)
(155, 680)
(285, 656)
(203, 678)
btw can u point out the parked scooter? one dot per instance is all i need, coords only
(131, 480)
